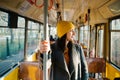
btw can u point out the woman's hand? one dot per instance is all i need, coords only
(44, 46)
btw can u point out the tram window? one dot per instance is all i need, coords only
(76, 36)
(33, 37)
(114, 43)
(81, 34)
(21, 22)
(115, 25)
(100, 43)
(92, 39)
(84, 35)
(3, 18)
(33, 25)
(11, 48)
(14, 43)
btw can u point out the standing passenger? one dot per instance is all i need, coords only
(68, 60)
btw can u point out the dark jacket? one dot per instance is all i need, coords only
(77, 67)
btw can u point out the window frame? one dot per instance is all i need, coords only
(110, 32)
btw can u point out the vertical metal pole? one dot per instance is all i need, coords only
(63, 10)
(89, 39)
(88, 48)
(79, 35)
(45, 57)
(25, 42)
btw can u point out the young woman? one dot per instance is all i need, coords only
(68, 60)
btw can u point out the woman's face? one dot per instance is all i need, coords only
(70, 35)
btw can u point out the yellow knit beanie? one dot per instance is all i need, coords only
(63, 27)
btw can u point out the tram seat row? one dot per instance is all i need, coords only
(30, 70)
(97, 66)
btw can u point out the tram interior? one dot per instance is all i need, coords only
(93, 13)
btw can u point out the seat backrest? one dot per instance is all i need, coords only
(96, 65)
(29, 70)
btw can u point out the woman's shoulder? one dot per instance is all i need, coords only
(53, 45)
